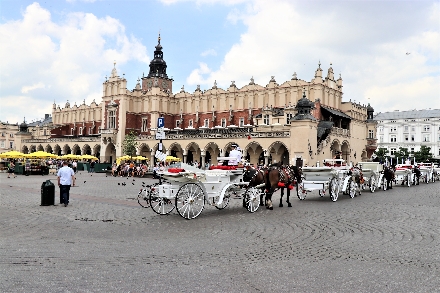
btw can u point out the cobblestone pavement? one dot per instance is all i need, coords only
(105, 242)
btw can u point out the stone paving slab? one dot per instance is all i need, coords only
(105, 242)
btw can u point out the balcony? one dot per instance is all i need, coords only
(109, 131)
(340, 132)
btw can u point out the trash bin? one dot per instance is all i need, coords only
(47, 193)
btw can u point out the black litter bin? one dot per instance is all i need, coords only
(47, 193)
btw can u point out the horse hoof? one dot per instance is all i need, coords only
(281, 205)
(270, 208)
(261, 204)
(289, 205)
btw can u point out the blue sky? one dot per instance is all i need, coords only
(62, 50)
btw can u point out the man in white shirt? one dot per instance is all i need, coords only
(66, 178)
(236, 154)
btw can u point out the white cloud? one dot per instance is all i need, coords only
(210, 52)
(27, 89)
(365, 41)
(64, 61)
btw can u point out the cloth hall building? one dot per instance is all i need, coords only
(295, 120)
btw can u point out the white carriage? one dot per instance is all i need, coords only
(372, 173)
(426, 172)
(404, 175)
(331, 178)
(436, 174)
(188, 189)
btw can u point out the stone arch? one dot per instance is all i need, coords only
(57, 150)
(345, 149)
(212, 151)
(40, 148)
(254, 153)
(24, 150)
(192, 152)
(86, 150)
(110, 152)
(278, 152)
(97, 150)
(144, 150)
(335, 147)
(66, 149)
(49, 149)
(76, 150)
(32, 149)
(176, 150)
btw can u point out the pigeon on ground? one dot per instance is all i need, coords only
(119, 183)
(85, 181)
(132, 183)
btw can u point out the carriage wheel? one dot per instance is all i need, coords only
(384, 184)
(300, 192)
(334, 189)
(143, 198)
(352, 188)
(225, 201)
(252, 198)
(408, 183)
(190, 201)
(159, 205)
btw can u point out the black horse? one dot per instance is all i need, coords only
(255, 177)
(388, 174)
(417, 172)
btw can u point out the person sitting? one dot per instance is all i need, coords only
(236, 154)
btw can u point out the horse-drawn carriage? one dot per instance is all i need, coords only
(373, 176)
(187, 189)
(427, 172)
(404, 175)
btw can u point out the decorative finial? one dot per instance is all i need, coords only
(158, 39)
(319, 64)
(114, 63)
(294, 76)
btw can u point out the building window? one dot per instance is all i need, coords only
(223, 122)
(406, 137)
(11, 135)
(190, 123)
(426, 128)
(80, 131)
(2, 144)
(426, 137)
(266, 119)
(439, 137)
(370, 133)
(206, 124)
(406, 128)
(144, 125)
(381, 138)
(380, 128)
(412, 137)
(72, 131)
(393, 129)
(241, 122)
(11, 144)
(412, 150)
(413, 128)
(393, 138)
(112, 119)
(288, 117)
(90, 130)
(392, 151)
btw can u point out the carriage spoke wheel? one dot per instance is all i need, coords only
(143, 198)
(252, 198)
(384, 184)
(190, 201)
(159, 205)
(352, 188)
(334, 189)
(372, 184)
(300, 192)
(225, 201)
(408, 183)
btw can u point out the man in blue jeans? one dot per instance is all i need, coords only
(66, 178)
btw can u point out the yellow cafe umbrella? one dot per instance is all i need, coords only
(39, 155)
(70, 156)
(88, 157)
(11, 155)
(172, 158)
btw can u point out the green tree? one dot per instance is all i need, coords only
(381, 153)
(423, 155)
(129, 144)
(402, 153)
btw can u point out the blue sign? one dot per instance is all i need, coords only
(160, 122)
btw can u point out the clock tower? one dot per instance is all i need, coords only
(157, 77)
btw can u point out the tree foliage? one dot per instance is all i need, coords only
(381, 153)
(129, 144)
(423, 155)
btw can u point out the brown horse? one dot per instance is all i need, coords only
(255, 177)
(280, 177)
